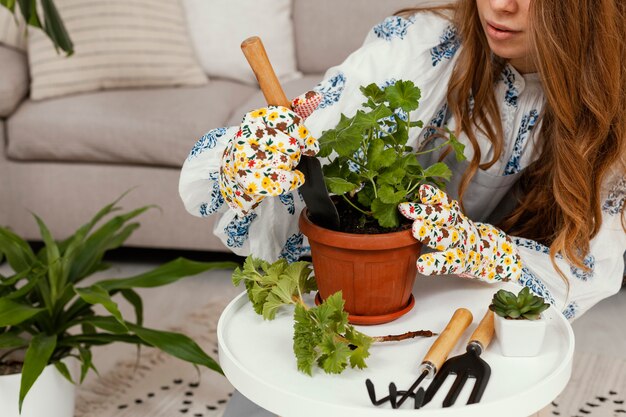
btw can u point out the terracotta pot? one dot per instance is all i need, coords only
(375, 272)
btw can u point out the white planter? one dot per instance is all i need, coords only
(520, 337)
(50, 396)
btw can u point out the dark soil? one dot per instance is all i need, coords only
(10, 368)
(353, 221)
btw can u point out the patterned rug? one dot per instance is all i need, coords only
(597, 389)
(161, 386)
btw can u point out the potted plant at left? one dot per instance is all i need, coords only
(519, 325)
(47, 313)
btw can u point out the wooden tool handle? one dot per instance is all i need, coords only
(484, 332)
(255, 53)
(446, 341)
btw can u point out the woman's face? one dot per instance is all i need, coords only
(505, 23)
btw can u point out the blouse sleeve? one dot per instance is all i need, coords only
(605, 261)
(420, 48)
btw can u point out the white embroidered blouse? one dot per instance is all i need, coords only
(422, 48)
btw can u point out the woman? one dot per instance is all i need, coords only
(537, 92)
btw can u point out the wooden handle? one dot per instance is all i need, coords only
(446, 341)
(484, 332)
(255, 53)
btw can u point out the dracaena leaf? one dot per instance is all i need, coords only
(37, 356)
(13, 313)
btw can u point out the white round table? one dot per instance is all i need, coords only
(258, 359)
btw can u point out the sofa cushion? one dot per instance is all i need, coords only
(14, 79)
(292, 90)
(117, 44)
(327, 31)
(151, 126)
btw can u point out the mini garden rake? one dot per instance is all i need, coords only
(431, 363)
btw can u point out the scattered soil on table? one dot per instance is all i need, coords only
(353, 221)
(10, 368)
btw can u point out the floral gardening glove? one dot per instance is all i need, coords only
(464, 247)
(260, 160)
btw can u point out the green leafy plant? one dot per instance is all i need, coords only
(524, 305)
(371, 167)
(46, 19)
(322, 334)
(47, 311)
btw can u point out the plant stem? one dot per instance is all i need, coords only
(403, 336)
(446, 143)
(352, 204)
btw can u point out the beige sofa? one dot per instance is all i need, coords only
(64, 158)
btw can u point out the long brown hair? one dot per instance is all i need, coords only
(580, 54)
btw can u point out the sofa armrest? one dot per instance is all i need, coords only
(14, 79)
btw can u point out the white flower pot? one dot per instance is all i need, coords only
(50, 396)
(520, 337)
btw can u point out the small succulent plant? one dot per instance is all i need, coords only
(524, 305)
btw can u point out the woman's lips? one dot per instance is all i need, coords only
(500, 32)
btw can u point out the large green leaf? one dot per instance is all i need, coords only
(165, 274)
(177, 345)
(403, 94)
(37, 356)
(54, 27)
(12, 313)
(100, 339)
(53, 260)
(103, 239)
(11, 340)
(339, 186)
(98, 295)
(18, 253)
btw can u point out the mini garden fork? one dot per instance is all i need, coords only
(468, 365)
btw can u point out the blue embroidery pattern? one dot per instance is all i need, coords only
(393, 27)
(511, 94)
(616, 198)
(570, 311)
(589, 262)
(436, 121)
(216, 197)
(448, 45)
(293, 249)
(208, 141)
(331, 90)
(287, 200)
(529, 280)
(237, 230)
(531, 244)
(528, 122)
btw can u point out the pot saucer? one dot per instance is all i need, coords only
(371, 320)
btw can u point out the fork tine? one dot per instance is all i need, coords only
(481, 384)
(437, 381)
(456, 388)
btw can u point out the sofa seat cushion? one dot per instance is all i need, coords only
(154, 127)
(292, 90)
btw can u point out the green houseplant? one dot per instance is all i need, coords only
(47, 311)
(46, 19)
(371, 170)
(519, 325)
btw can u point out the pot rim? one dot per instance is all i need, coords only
(355, 240)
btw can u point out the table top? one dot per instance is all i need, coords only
(258, 359)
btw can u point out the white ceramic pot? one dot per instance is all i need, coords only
(50, 396)
(520, 337)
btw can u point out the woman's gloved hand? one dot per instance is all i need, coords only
(463, 247)
(260, 160)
